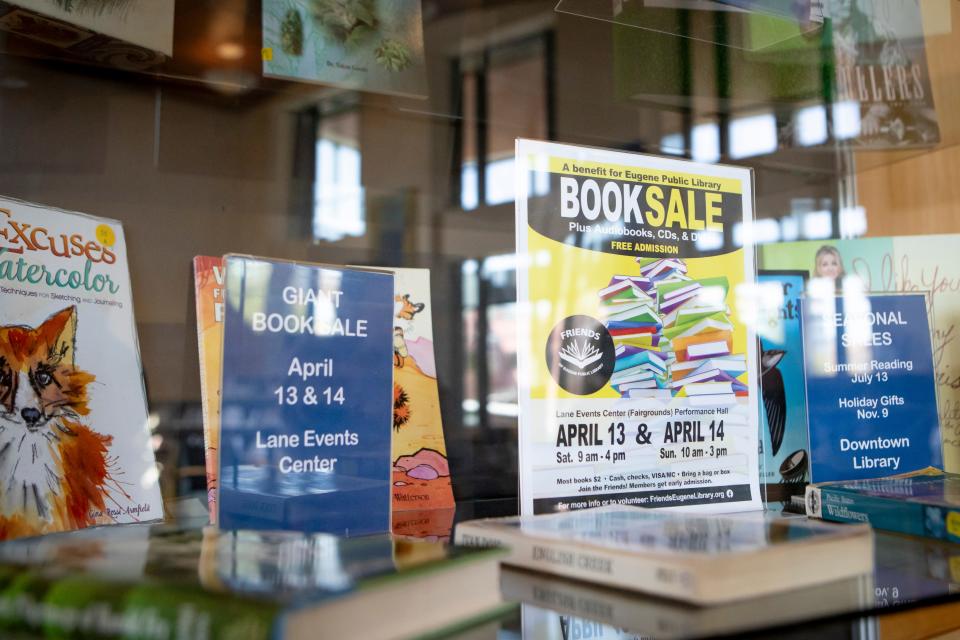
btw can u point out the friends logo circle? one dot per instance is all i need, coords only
(580, 355)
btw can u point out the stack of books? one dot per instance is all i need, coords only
(673, 335)
(633, 320)
(705, 560)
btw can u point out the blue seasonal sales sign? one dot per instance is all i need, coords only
(307, 398)
(871, 391)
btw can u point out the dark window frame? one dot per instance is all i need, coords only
(479, 64)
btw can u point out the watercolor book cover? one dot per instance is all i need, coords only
(371, 45)
(74, 438)
(208, 280)
(421, 474)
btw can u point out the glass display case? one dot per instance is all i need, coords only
(382, 133)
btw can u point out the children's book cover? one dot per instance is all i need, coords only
(421, 473)
(208, 281)
(785, 445)
(372, 45)
(637, 377)
(74, 438)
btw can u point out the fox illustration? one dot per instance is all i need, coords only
(404, 309)
(54, 470)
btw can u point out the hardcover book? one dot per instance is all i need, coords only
(307, 397)
(74, 437)
(372, 45)
(702, 559)
(209, 282)
(920, 503)
(173, 583)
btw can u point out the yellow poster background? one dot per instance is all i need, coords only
(564, 281)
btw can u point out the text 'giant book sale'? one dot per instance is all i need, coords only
(306, 421)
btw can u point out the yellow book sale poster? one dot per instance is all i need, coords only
(637, 374)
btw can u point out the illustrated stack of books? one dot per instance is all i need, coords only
(632, 318)
(673, 335)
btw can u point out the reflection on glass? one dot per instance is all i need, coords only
(821, 345)
(759, 305)
(811, 123)
(672, 144)
(338, 194)
(753, 135)
(705, 140)
(789, 228)
(817, 225)
(505, 84)
(500, 183)
(469, 175)
(762, 230)
(470, 298)
(853, 222)
(846, 119)
(469, 186)
(501, 339)
(489, 316)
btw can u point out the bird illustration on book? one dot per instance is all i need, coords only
(55, 471)
(774, 396)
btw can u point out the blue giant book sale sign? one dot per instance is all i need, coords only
(307, 398)
(871, 390)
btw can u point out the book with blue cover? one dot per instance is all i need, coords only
(920, 503)
(307, 400)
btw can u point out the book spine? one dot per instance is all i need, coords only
(208, 283)
(211, 471)
(636, 573)
(838, 505)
